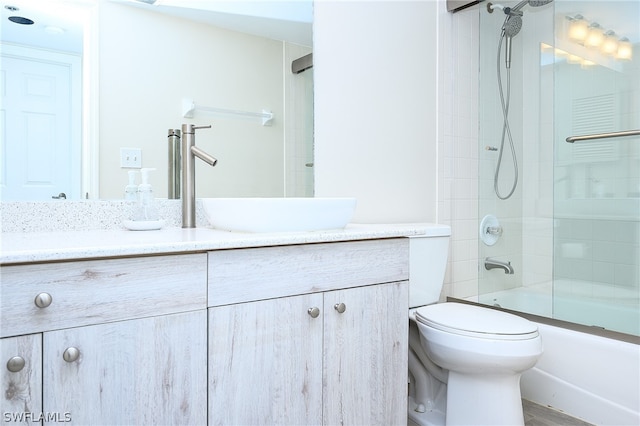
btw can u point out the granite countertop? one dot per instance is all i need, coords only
(31, 247)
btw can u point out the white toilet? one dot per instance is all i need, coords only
(465, 361)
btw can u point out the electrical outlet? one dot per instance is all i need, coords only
(131, 158)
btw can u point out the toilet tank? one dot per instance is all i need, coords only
(427, 264)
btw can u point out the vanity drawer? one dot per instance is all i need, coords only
(244, 275)
(98, 291)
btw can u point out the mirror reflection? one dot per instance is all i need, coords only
(138, 64)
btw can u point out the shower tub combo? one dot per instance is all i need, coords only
(559, 142)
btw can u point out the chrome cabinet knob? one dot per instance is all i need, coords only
(313, 312)
(15, 364)
(43, 300)
(340, 307)
(71, 354)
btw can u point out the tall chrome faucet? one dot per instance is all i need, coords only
(491, 263)
(189, 152)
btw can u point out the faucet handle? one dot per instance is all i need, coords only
(191, 128)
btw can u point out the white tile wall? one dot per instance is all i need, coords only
(457, 143)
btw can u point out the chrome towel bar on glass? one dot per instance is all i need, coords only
(572, 139)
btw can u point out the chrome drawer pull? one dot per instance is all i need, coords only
(43, 300)
(15, 364)
(71, 354)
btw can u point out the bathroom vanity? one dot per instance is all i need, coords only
(202, 326)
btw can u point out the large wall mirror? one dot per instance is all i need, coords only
(129, 68)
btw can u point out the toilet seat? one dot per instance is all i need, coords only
(476, 321)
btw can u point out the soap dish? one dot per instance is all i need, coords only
(143, 225)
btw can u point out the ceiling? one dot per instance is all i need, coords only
(288, 20)
(57, 25)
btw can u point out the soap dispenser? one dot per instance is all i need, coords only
(146, 210)
(131, 190)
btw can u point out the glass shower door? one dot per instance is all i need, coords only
(596, 178)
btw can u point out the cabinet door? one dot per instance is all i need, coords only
(266, 362)
(365, 355)
(143, 371)
(21, 363)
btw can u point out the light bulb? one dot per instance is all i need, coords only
(610, 43)
(578, 29)
(625, 49)
(595, 36)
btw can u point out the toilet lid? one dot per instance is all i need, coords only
(476, 321)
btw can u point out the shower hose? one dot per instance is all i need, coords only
(506, 130)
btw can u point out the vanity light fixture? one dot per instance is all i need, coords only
(592, 35)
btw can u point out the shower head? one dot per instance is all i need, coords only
(532, 3)
(511, 28)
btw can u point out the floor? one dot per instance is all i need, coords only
(539, 415)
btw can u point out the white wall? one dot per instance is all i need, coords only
(396, 118)
(375, 107)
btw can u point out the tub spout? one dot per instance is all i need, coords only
(491, 263)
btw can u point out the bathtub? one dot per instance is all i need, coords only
(587, 376)
(595, 304)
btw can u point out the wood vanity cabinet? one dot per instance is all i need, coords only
(301, 334)
(286, 348)
(116, 341)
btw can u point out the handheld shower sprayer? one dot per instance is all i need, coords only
(512, 26)
(513, 23)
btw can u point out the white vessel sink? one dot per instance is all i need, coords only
(278, 214)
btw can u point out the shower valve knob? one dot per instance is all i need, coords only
(494, 230)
